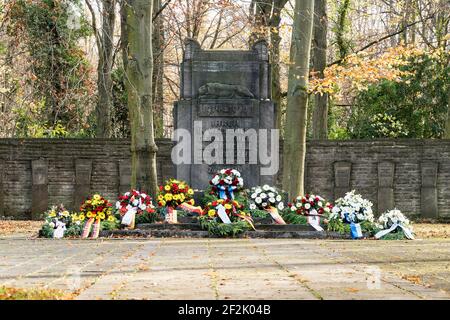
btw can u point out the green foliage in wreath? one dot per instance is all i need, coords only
(74, 230)
(223, 230)
(337, 225)
(210, 196)
(110, 225)
(46, 231)
(256, 213)
(292, 217)
(147, 217)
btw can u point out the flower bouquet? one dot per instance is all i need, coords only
(394, 221)
(226, 182)
(352, 213)
(267, 198)
(224, 217)
(59, 223)
(313, 207)
(176, 194)
(96, 209)
(131, 204)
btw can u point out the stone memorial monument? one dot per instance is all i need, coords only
(220, 90)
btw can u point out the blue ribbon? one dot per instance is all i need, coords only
(230, 192)
(222, 194)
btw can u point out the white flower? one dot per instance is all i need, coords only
(258, 200)
(127, 194)
(240, 182)
(264, 204)
(298, 204)
(258, 190)
(118, 205)
(253, 195)
(266, 187)
(278, 198)
(307, 206)
(135, 203)
(51, 224)
(263, 195)
(272, 200)
(222, 171)
(319, 203)
(142, 207)
(293, 208)
(281, 206)
(252, 206)
(271, 195)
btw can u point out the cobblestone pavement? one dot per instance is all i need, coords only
(229, 269)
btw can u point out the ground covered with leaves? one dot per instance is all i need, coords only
(7, 293)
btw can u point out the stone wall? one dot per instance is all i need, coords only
(413, 175)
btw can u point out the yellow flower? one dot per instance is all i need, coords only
(52, 214)
(211, 213)
(111, 219)
(81, 217)
(167, 187)
(163, 203)
(89, 202)
(101, 216)
(65, 213)
(160, 197)
(182, 197)
(90, 214)
(176, 197)
(190, 192)
(227, 206)
(182, 186)
(96, 197)
(168, 197)
(192, 202)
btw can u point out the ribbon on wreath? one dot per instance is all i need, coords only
(248, 219)
(355, 230)
(95, 225)
(190, 208)
(384, 232)
(171, 215)
(275, 215)
(129, 218)
(223, 214)
(224, 190)
(314, 221)
(60, 227)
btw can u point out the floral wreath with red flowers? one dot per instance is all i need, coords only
(135, 200)
(225, 182)
(310, 205)
(174, 193)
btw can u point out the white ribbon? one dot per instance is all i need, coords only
(406, 231)
(60, 228)
(128, 217)
(314, 221)
(223, 214)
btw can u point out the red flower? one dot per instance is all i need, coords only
(161, 188)
(303, 200)
(228, 171)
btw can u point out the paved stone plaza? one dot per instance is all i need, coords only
(229, 269)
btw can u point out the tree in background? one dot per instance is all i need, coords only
(139, 72)
(104, 38)
(320, 115)
(53, 66)
(297, 97)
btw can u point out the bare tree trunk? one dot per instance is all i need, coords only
(158, 70)
(104, 68)
(320, 115)
(297, 107)
(139, 89)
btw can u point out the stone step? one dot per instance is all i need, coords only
(177, 233)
